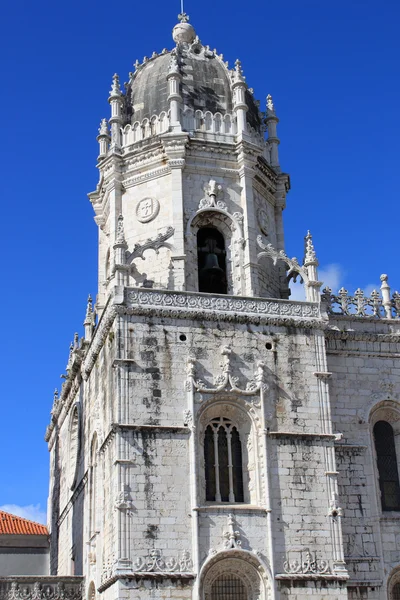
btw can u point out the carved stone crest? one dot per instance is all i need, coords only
(263, 220)
(147, 209)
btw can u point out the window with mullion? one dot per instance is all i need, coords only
(223, 462)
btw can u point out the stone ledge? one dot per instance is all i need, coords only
(196, 305)
(311, 577)
(299, 434)
(140, 575)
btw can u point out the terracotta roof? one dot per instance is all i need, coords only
(11, 524)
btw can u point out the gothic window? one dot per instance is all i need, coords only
(211, 259)
(223, 462)
(387, 465)
(228, 587)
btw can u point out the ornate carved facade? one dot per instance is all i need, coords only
(217, 442)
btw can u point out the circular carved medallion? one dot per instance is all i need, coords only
(147, 209)
(263, 220)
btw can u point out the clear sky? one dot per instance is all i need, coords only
(332, 68)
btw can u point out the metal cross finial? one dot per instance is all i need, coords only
(183, 17)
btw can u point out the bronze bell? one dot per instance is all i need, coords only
(211, 264)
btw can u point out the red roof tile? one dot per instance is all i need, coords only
(11, 524)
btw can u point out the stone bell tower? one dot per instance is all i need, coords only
(199, 391)
(186, 151)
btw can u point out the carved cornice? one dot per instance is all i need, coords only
(191, 305)
(362, 336)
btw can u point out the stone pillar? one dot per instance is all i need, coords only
(103, 138)
(116, 103)
(174, 98)
(273, 140)
(239, 95)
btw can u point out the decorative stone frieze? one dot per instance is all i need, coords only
(306, 563)
(41, 588)
(155, 562)
(230, 308)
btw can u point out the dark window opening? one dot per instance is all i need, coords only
(396, 592)
(387, 465)
(211, 260)
(228, 587)
(223, 462)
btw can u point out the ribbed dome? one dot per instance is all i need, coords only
(206, 85)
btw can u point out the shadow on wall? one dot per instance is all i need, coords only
(55, 510)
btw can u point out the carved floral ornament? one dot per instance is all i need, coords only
(41, 590)
(226, 381)
(306, 564)
(155, 562)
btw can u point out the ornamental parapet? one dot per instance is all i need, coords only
(378, 305)
(196, 305)
(38, 588)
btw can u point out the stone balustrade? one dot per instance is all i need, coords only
(41, 587)
(378, 305)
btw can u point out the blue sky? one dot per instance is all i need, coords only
(332, 68)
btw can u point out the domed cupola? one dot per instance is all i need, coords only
(206, 86)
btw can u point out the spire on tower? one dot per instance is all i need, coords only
(310, 257)
(238, 75)
(115, 87)
(271, 121)
(270, 104)
(88, 323)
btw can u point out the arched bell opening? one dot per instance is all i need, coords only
(211, 260)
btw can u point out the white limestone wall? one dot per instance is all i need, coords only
(154, 397)
(365, 388)
(155, 267)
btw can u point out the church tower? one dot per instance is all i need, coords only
(192, 446)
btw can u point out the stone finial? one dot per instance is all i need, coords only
(270, 104)
(173, 66)
(386, 300)
(183, 32)
(238, 73)
(310, 257)
(103, 129)
(136, 64)
(115, 87)
(89, 311)
(55, 395)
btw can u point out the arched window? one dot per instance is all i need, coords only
(211, 260)
(395, 595)
(223, 462)
(228, 587)
(387, 465)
